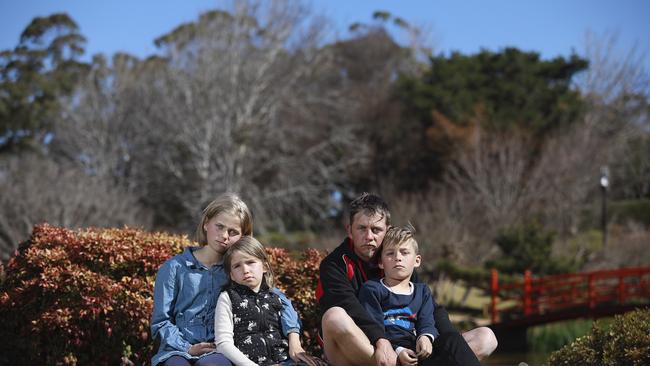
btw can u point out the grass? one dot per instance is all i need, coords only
(551, 337)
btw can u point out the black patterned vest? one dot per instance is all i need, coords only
(256, 319)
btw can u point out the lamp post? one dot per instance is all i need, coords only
(604, 185)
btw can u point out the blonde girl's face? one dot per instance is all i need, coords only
(247, 270)
(221, 231)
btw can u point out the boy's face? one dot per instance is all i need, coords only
(366, 233)
(399, 261)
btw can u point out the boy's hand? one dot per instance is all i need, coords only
(408, 358)
(423, 347)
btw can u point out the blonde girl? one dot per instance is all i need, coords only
(188, 285)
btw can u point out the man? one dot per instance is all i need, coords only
(350, 336)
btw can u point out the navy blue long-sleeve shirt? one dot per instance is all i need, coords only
(404, 317)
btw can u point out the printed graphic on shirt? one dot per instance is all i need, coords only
(403, 318)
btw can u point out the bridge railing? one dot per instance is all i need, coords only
(543, 295)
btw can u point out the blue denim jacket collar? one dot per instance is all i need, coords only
(192, 262)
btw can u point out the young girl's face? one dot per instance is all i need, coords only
(221, 231)
(247, 270)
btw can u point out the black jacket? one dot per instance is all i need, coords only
(342, 273)
(257, 330)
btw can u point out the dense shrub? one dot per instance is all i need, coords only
(298, 279)
(85, 297)
(625, 342)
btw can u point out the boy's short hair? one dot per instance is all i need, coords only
(370, 204)
(396, 236)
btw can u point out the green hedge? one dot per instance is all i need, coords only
(85, 297)
(625, 342)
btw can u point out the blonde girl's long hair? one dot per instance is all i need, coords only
(250, 246)
(229, 203)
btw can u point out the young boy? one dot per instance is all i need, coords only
(405, 309)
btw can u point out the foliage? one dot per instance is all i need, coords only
(298, 279)
(503, 91)
(472, 276)
(85, 296)
(625, 342)
(34, 75)
(549, 337)
(39, 189)
(632, 210)
(527, 247)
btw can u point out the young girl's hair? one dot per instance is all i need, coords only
(229, 203)
(249, 245)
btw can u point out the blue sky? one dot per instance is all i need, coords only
(551, 27)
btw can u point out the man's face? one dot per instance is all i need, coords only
(366, 233)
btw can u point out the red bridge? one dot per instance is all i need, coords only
(538, 300)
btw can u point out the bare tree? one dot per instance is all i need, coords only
(98, 129)
(37, 189)
(241, 109)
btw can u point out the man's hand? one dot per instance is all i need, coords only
(201, 348)
(423, 347)
(408, 358)
(384, 354)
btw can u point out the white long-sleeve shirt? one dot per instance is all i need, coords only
(224, 332)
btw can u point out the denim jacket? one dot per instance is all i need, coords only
(184, 301)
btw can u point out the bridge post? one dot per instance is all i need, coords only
(528, 287)
(621, 289)
(591, 291)
(494, 285)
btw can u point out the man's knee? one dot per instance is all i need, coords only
(482, 341)
(336, 322)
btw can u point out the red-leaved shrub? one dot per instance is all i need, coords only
(85, 297)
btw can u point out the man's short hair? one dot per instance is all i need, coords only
(369, 204)
(396, 236)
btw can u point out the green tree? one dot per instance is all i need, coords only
(42, 67)
(503, 92)
(526, 247)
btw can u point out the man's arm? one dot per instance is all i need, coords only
(338, 291)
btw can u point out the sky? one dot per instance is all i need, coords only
(551, 27)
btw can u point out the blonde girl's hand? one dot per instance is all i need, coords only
(423, 347)
(201, 348)
(407, 357)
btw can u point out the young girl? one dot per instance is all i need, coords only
(188, 285)
(248, 312)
